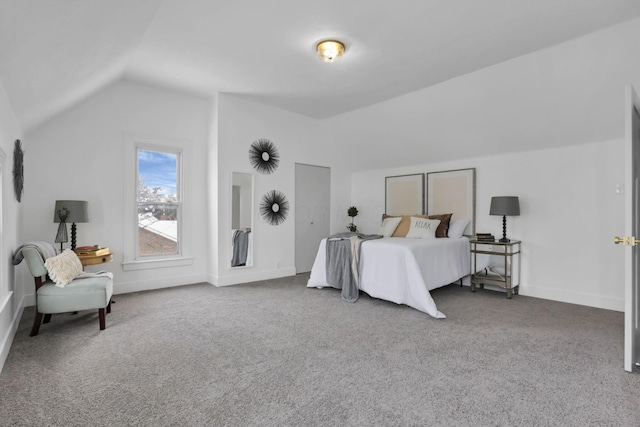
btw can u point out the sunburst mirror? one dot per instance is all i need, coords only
(264, 156)
(274, 207)
(18, 170)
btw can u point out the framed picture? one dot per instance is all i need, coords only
(404, 194)
(453, 191)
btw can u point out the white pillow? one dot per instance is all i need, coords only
(422, 228)
(389, 225)
(63, 268)
(457, 227)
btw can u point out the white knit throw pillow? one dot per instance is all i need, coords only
(63, 268)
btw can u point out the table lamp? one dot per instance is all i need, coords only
(505, 205)
(72, 211)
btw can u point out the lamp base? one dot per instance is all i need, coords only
(61, 236)
(504, 230)
(73, 236)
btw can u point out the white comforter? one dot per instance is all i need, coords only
(404, 270)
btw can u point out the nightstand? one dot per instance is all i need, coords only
(505, 274)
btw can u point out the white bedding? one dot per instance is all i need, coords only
(404, 270)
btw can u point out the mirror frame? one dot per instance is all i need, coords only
(251, 183)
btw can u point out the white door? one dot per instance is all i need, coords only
(632, 226)
(313, 197)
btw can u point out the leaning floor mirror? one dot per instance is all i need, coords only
(241, 219)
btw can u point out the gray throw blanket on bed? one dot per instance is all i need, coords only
(343, 252)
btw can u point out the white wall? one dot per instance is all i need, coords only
(570, 213)
(211, 187)
(298, 140)
(80, 155)
(11, 298)
(568, 94)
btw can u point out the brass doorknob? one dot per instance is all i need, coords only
(626, 241)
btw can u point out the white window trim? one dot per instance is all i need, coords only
(131, 260)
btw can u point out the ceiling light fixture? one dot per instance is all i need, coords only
(330, 50)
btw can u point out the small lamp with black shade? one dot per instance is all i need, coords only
(505, 206)
(73, 211)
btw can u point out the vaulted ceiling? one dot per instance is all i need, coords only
(55, 53)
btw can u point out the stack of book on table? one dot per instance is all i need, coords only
(485, 237)
(95, 250)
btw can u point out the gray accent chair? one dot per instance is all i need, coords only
(81, 294)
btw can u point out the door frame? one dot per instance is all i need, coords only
(631, 254)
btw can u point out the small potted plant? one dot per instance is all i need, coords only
(352, 212)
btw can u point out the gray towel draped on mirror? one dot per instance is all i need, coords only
(240, 248)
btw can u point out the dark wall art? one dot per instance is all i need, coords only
(18, 170)
(274, 207)
(264, 156)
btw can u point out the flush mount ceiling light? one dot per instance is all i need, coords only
(329, 50)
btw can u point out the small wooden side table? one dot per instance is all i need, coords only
(95, 259)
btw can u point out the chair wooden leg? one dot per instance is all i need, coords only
(36, 324)
(101, 316)
(47, 318)
(109, 307)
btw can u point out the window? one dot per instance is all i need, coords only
(155, 231)
(158, 198)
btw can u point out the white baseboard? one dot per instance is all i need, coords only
(28, 300)
(246, 277)
(10, 334)
(151, 284)
(572, 297)
(168, 282)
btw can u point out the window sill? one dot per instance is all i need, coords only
(156, 263)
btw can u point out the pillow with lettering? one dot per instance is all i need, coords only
(422, 228)
(403, 227)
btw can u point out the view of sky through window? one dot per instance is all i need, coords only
(158, 169)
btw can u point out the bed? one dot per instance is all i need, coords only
(404, 270)
(417, 253)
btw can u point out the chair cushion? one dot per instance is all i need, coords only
(80, 294)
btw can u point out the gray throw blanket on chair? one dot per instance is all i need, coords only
(343, 252)
(46, 250)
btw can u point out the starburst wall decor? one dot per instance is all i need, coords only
(18, 170)
(264, 156)
(274, 207)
